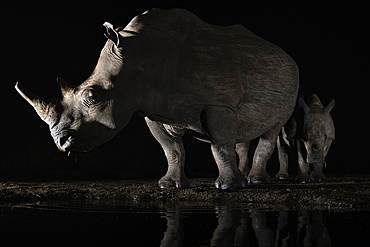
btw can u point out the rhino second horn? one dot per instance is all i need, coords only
(65, 86)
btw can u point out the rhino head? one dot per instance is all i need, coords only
(318, 128)
(87, 115)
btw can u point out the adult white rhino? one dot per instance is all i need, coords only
(223, 84)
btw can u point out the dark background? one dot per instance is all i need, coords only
(41, 41)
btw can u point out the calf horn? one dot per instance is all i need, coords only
(41, 105)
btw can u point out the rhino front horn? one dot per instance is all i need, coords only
(42, 106)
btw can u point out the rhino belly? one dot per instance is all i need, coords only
(262, 111)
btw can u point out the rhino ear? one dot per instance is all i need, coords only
(111, 33)
(65, 86)
(303, 104)
(330, 106)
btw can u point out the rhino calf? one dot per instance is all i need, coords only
(310, 131)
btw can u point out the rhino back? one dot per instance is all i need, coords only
(198, 64)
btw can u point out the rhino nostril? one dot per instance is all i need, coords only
(66, 141)
(63, 140)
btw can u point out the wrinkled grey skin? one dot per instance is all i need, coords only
(222, 84)
(312, 138)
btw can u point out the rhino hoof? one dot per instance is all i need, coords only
(258, 180)
(167, 184)
(302, 181)
(318, 179)
(282, 176)
(230, 186)
(173, 184)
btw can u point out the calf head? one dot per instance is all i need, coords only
(318, 128)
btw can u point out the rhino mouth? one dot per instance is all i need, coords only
(65, 140)
(65, 143)
(315, 158)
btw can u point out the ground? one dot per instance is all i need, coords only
(337, 193)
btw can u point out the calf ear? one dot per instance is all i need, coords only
(303, 104)
(330, 106)
(111, 33)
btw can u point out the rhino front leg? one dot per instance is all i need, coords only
(170, 139)
(266, 145)
(221, 126)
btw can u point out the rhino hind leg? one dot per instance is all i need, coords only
(171, 141)
(242, 151)
(283, 158)
(220, 123)
(265, 147)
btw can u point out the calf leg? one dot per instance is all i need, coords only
(221, 126)
(263, 152)
(303, 175)
(170, 139)
(242, 151)
(317, 173)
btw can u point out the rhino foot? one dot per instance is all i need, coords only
(318, 176)
(318, 179)
(282, 176)
(258, 178)
(169, 183)
(302, 179)
(236, 183)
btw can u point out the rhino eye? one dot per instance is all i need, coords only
(326, 137)
(89, 99)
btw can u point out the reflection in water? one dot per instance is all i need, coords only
(174, 234)
(232, 228)
(170, 225)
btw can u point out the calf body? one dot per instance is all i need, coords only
(310, 131)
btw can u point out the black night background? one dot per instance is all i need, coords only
(43, 41)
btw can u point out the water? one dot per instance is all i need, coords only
(108, 223)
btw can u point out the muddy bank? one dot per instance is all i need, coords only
(338, 193)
